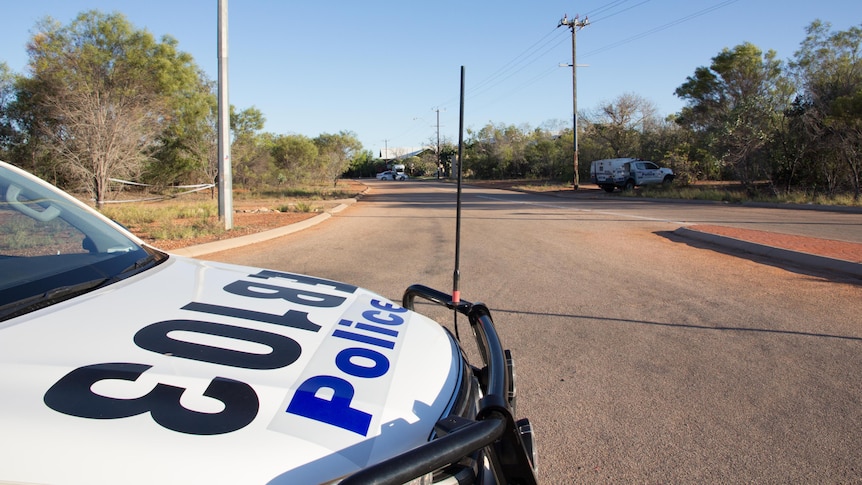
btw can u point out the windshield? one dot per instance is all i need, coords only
(52, 247)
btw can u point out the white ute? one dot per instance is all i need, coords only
(626, 173)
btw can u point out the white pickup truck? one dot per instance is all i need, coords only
(120, 363)
(626, 173)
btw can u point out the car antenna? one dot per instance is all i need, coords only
(456, 276)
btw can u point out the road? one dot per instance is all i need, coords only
(640, 357)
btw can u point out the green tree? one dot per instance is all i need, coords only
(734, 104)
(497, 152)
(363, 164)
(7, 121)
(188, 144)
(250, 150)
(546, 156)
(448, 152)
(335, 152)
(104, 90)
(294, 157)
(828, 69)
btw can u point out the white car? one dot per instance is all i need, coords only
(120, 363)
(391, 175)
(627, 173)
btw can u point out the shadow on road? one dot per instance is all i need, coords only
(679, 325)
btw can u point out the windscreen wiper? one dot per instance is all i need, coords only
(146, 262)
(50, 297)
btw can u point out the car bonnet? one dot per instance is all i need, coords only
(201, 372)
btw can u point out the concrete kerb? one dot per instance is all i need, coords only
(235, 242)
(798, 258)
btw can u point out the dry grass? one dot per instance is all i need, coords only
(193, 218)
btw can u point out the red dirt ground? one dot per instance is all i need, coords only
(845, 251)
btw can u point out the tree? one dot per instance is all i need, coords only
(7, 98)
(733, 106)
(335, 152)
(497, 151)
(828, 67)
(294, 157)
(622, 123)
(105, 90)
(188, 144)
(250, 151)
(363, 164)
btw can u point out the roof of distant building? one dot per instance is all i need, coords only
(400, 153)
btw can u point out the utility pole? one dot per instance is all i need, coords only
(225, 177)
(575, 25)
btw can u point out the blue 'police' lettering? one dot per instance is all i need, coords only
(388, 306)
(335, 411)
(376, 316)
(344, 361)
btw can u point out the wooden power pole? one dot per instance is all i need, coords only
(575, 24)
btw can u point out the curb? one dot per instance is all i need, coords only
(802, 259)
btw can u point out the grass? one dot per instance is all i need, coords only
(737, 194)
(689, 193)
(542, 187)
(731, 192)
(168, 220)
(308, 192)
(196, 215)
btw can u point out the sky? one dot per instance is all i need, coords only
(385, 69)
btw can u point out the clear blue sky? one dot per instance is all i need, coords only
(380, 68)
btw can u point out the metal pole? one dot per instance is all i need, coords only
(456, 276)
(225, 177)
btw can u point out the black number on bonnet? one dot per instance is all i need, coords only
(72, 395)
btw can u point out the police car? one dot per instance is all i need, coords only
(392, 175)
(120, 363)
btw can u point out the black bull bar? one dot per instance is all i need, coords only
(507, 443)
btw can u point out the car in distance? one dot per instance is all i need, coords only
(627, 173)
(392, 175)
(121, 363)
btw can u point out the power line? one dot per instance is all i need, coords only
(509, 65)
(529, 56)
(491, 83)
(544, 45)
(661, 27)
(607, 7)
(610, 6)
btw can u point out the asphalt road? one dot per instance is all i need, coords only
(640, 357)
